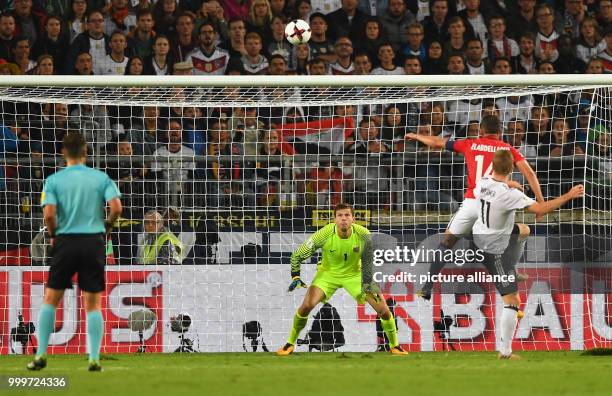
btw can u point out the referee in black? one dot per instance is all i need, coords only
(74, 202)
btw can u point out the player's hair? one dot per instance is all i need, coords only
(75, 145)
(503, 163)
(342, 206)
(490, 125)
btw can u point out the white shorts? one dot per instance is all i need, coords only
(463, 220)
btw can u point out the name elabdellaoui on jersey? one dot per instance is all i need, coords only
(497, 206)
(204, 64)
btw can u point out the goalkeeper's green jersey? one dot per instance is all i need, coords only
(341, 257)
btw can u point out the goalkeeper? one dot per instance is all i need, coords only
(347, 263)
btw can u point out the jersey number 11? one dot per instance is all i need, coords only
(485, 213)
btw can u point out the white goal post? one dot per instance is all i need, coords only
(243, 169)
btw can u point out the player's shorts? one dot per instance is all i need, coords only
(463, 220)
(330, 283)
(82, 254)
(496, 265)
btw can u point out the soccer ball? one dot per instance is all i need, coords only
(297, 32)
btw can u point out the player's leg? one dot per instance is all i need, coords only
(378, 303)
(321, 289)
(515, 248)
(314, 295)
(460, 224)
(508, 289)
(509, 320)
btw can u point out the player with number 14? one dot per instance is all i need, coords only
(478, 155)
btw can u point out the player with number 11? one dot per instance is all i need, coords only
(478, 155)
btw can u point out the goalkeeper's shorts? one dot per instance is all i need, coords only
(329, 283)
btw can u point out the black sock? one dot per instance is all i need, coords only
(435, 268)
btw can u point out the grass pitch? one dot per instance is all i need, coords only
(355, 374)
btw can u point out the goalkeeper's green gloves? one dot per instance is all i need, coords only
(371, 289)
(296, 283)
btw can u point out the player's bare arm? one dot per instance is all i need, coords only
(542, 208)
(435, 142)
(527, 171)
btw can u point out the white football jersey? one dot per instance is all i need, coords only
(497, 204)
(206, 65)
(110, 67)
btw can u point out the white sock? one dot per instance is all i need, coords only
(508, 325)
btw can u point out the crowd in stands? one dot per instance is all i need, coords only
(246, 37)
(240, 157)
(204, 37)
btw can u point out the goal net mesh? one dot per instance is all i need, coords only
(234, 179)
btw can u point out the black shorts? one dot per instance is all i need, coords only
(496, 265)
(82, 254)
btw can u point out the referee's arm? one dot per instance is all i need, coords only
(50, 219)
(115, 209)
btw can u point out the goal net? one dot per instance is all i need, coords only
(223, 179)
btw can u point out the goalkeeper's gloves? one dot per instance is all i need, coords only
(296, 283)
(371, 289)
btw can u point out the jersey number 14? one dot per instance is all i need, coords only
(479, 168)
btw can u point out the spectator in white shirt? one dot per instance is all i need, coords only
(386, 54)
(115, 62)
